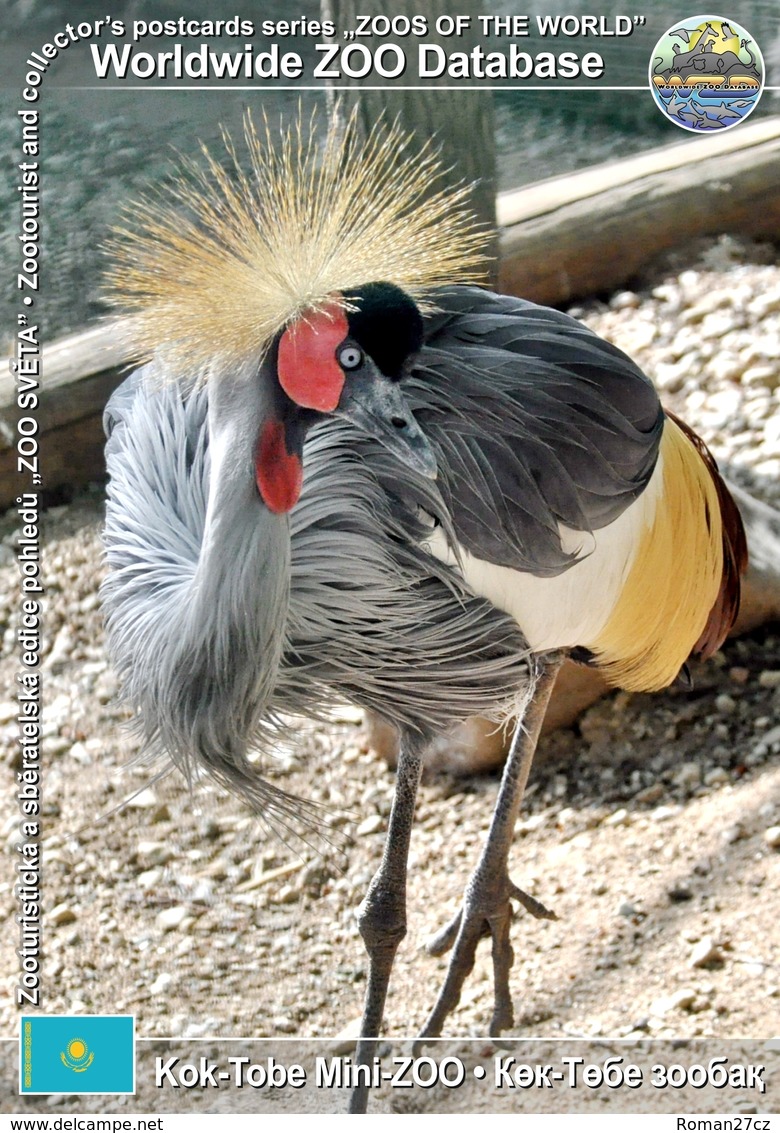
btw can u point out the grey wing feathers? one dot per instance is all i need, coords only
(538, 423)
(372, 616)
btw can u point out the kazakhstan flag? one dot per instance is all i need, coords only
(77, 1054)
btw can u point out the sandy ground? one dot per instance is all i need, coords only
(651, 828)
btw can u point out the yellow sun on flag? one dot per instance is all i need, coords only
(77, 1055)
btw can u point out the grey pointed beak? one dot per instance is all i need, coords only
(379, 407)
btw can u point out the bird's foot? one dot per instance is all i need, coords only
(486, 911)
(382, 924)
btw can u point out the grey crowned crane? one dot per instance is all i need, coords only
(345, 471)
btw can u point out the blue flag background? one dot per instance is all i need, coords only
(77, 1054)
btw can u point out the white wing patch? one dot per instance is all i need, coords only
(572, 608)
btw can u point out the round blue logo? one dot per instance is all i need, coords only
(706, 74)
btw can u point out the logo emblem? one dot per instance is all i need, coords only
(706, 74)
(77, 1056)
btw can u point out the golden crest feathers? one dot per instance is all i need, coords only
(231, 255)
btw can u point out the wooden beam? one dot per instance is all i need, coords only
(560, 239)
(78, 374)
(574, 236)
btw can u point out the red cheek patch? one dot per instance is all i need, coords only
(308, 371)
(278, 473)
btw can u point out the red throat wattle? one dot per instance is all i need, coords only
(279, 473)
(308, 371)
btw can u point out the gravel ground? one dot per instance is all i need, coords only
(652, 828)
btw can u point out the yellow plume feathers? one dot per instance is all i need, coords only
(674, 578)
(216, 269)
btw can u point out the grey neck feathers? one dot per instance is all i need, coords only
(197, 598)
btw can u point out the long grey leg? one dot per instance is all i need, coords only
(382, 917)
(487, 909)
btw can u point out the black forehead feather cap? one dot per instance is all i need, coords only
(387, 324)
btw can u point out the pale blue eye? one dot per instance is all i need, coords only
(350, 357)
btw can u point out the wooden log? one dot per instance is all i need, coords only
(573, 236)
(78, 374)
(563, 238)
(761, 586)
